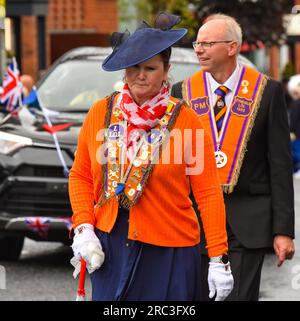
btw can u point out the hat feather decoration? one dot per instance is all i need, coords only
(144, 43)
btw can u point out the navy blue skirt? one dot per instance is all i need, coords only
(136, 271)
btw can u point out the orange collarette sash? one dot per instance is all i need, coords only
(124, 180)
(230, 144)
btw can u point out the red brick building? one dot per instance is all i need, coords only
(45, 29)
(73, 23)
(297, 49)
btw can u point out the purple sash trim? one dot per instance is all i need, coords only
(211, 120)
(106, 153)
(189, 89)
(242, 131)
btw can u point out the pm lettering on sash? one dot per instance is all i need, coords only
(241, 106)
(200, 105)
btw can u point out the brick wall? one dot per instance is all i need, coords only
(65, 14)
(297, 58)
(90, 15)
(101, 15)
(69, 24)
(274, 62)
(29, 53)
(73, 23)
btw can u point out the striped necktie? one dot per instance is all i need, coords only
(220, 106)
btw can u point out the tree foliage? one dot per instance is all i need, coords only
(260, 19)
(148, 9)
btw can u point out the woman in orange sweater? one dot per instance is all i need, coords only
(129, 185)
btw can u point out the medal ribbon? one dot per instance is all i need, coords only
(238, 121)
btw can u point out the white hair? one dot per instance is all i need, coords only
(293, 87)
(234, 30)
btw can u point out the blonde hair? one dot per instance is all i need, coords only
(234, 30)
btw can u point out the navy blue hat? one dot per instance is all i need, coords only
(146, 42)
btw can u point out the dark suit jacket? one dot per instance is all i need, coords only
(262, 203)
(295, 118)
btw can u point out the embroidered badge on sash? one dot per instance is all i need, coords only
(115, 131)
(241, 106)
(200, 105)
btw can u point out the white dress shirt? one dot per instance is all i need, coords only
(230, 83)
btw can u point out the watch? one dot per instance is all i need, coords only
(220, 259)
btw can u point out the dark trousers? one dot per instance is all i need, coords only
(246, 265)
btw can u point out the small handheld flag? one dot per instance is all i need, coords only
(33, 100)
(81, 291)
(11, 97)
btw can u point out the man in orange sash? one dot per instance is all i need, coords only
(244, 111)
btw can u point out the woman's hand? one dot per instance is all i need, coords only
(86, 245)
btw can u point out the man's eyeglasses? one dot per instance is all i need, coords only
(206, 45)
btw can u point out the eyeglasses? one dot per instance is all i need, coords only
(207, 45)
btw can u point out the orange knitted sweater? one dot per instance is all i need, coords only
(163, 215)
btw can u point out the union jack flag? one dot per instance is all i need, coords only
(67, 221)
(69, 224)
(39, 225)
(11, 96)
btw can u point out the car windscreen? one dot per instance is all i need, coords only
(76, 84)
(181, 71)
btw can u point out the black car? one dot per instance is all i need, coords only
(34, 199)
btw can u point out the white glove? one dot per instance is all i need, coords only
(86, 245)
(220, 280)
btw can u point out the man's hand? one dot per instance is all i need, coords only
(284, 248)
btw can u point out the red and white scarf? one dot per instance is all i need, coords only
(141, 118)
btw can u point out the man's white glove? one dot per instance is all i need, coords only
(86, 245)
(220, 280)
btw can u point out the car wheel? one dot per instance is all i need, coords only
(11, 247)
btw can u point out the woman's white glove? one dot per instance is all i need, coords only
(86, 245)
(220, 280)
